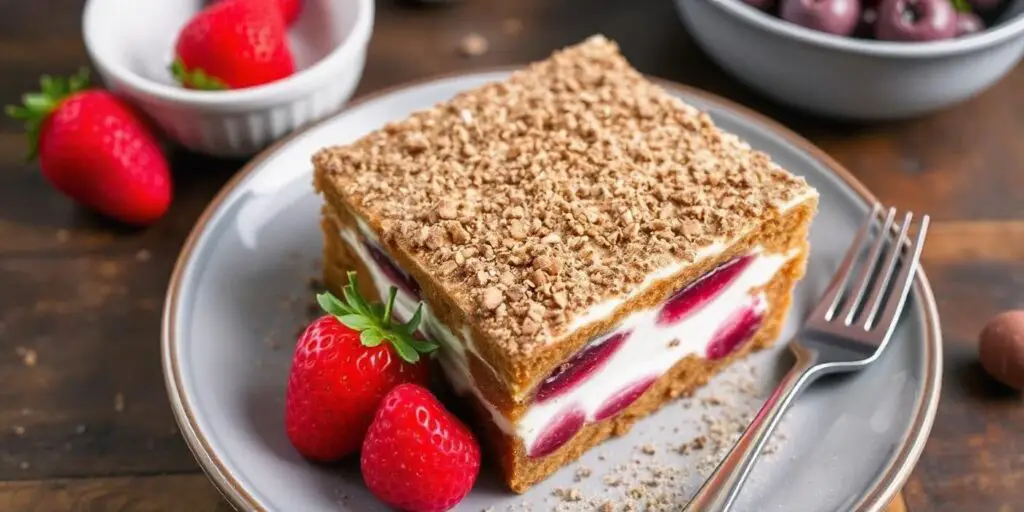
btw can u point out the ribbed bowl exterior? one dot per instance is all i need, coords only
(242, 132)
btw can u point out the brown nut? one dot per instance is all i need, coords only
(1001, 348)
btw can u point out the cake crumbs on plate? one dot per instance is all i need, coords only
(652, 486)
(612, 480)
(712, 401)
(570, 494)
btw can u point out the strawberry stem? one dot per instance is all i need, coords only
(386, 318)
(37, 106)
(196, 78)
(374, 321)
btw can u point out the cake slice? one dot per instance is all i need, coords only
(586, 245)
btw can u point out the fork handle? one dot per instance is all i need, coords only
(720, 490)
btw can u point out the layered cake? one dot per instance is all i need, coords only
(586, 246)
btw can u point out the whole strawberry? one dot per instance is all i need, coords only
(233, 44)
(97, 150)
(344, 364)
(417, 456)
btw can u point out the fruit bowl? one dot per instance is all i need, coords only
(850, 78)
(131, 45)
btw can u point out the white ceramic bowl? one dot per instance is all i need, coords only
(851, 78)
(131, 43)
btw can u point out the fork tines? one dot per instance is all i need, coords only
(874, 298)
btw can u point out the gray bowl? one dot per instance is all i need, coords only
(851, 78)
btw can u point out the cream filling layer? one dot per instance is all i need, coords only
(650, 351)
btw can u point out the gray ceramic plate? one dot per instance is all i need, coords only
(238, 294)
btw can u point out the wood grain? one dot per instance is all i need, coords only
(121, 494)
(80, 296)
(978, 242)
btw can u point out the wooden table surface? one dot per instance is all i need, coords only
(84, 418)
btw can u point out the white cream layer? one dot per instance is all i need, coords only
(646, 353)
(650, 350)
(602, 310)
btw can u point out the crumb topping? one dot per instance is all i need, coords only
(532, 199)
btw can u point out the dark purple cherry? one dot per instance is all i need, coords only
(916, 20)
(735, 332)
(392, 270)
(838, 17)
(701, 291)
(581, 365)
(968, 23)
(559, 432)
(624, 398)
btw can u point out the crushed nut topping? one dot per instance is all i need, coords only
(537, 197)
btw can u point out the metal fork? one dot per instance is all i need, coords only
(843, 333)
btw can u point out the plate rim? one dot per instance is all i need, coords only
(885, 486)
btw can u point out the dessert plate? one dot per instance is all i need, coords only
(241, 289)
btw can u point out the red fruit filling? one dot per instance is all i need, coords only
(558, 433)
(404, 281)
(580, 366)
(700, 292)
(736, 331)
(624, 398)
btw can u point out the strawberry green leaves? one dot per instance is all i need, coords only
(38, 105)
(373, 322)
(196, 78)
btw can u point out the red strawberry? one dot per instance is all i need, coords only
(344, 364)
(96, 149)
(417, 456)
(290, 10)
(233, 44)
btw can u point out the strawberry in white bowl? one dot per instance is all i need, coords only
(133, 47)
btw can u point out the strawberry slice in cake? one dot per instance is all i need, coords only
(586, 245)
